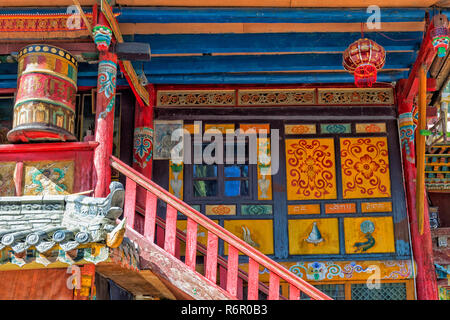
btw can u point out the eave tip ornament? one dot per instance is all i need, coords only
(102, 37)
(364, 58)
(440, 35)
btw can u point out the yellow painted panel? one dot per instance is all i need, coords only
(176, 179)
(376, 206)
(192, 128)
(220, 209)
(223, 128)
(304, 209)
(340, 208)
(310, 169)
(299, 128)
(257, 233)
(258, 128)
(264, 170)
(365, 167)
(202, 234)
(304, 240)
(369, 235)
(370, 127)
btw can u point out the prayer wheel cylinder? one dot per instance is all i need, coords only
(44, 110)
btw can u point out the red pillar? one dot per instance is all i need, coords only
(426, 284)
(143, 141)
(104, 113)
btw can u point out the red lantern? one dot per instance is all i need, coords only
(364, 58)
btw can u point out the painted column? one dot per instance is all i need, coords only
(104, 110)
(143, 141)
(421, 244)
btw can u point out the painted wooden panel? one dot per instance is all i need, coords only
(163, 143)
(304, 209)
(264, 170)
(338, 271)
(176, 179)
(365, 168)
(336, 128)
(340, 208)
(257, 233)
(257, 127)
(48, 177)
(313, 236)
(192, 128)
(370, 127)
(220, 209)
(376, 206)
(7, 186)
(256, 209)
(299, 129)
(351, 96)
(369, 235)
(223, 127)
(310, 169)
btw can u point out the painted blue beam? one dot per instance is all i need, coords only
(261, 63)
(241, 15)
(264, 15)
(223, 78)
(236, 64)
(272, 42)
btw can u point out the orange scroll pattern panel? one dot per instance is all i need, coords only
(310, 169)
(365, 168)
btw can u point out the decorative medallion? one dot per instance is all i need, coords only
(220, 209)
(310, 169)
(370, 127)
(336, 128)
(143, 146)
(365, 168)
(102, 37)
(299, 129)
(256, 209)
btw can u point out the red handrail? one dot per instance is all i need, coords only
(235, 244)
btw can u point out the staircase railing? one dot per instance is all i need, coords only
(215, 232)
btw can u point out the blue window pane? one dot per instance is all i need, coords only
(234, 188)
(236, 171)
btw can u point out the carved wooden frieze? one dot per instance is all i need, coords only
(43, 222)
(276, 97)
(173, 98)
(351, 96)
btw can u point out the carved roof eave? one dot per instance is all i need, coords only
(43, 222)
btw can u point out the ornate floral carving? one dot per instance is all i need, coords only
(277, 97)
(365, 168)
(375, 96)
(310, 169)
(196, 98)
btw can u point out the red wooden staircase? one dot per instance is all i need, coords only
(164, 231)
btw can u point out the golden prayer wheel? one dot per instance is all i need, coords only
(46, 95)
